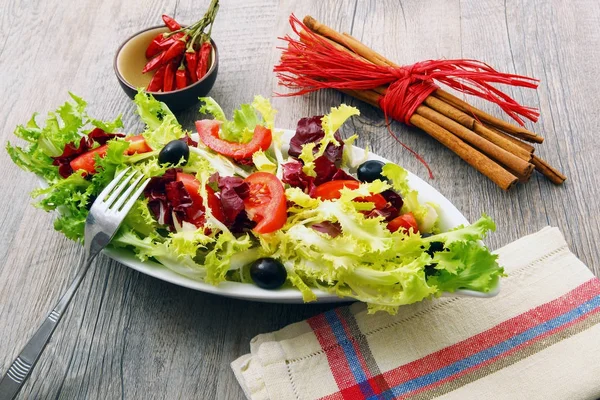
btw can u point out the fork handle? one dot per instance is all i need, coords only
(19, 370)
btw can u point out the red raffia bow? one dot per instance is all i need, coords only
(312, 63)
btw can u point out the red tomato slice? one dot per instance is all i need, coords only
(266, 203)
(404, 222)
(192, 185)
(87, 161)
(208, 130)
(331, 191)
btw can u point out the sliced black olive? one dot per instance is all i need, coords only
(173, 152)
(370, 171)
(268, 273)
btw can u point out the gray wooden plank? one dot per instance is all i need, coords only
(131, 336)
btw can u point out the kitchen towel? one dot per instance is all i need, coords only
(539, 338)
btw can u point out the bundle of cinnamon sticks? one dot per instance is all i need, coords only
(496, 148)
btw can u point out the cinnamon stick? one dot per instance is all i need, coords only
(554, 175)
(521, 167)
(509, 128)
(470, 122)
(449, 111)
(348, 42)
(477, 160)
(525, 146)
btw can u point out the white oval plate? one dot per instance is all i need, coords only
(450, 217)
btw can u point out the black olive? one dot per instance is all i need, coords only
(268, 273)
(173, 152)
(370, 171)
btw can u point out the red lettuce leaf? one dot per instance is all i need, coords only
(187, 139)
(293, 176)
(242, 223)
(246, 161)
(393, 198)
(310, 130)
(388, 213)
(166, 196)
(232, 192)
(333, 229)
(325, 169)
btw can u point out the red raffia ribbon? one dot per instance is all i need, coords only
(313, 63)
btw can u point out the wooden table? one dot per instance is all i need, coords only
(127, 335)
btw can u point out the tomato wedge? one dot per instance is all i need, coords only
(404, 222)
(208, 130)
(87, 161)
(266, 203)
(192, 185)
(331, 191)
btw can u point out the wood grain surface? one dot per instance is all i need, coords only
(130, 336)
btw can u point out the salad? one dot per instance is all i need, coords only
(227, 203)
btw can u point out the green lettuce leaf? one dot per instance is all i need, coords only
(62, 126)
(466, 265)
(332, 122)
(108, 126)
(71, 197)
(151, 111)
(263, 163)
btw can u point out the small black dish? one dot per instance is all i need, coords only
(131, 59)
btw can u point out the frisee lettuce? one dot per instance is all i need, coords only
(364, 261)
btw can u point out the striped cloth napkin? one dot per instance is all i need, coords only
(538, 339)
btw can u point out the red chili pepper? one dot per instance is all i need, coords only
(191, 60)
(163, 58)
(154, 63)
(174, 51)
(202, 67)
(171, 23)
(169, 80)
(166, 43)
(180, 78)
(155, 46)
(156, 84)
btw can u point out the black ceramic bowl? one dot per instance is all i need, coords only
(131, 59)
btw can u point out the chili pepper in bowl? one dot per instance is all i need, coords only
(180, 78)
(204, 59)
(156, 84)
(171, 23)
(190, 44)
(155, 45)
(169, 81)
(191, 63)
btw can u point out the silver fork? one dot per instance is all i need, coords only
(105, 217)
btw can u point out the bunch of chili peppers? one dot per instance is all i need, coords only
(182, 56)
